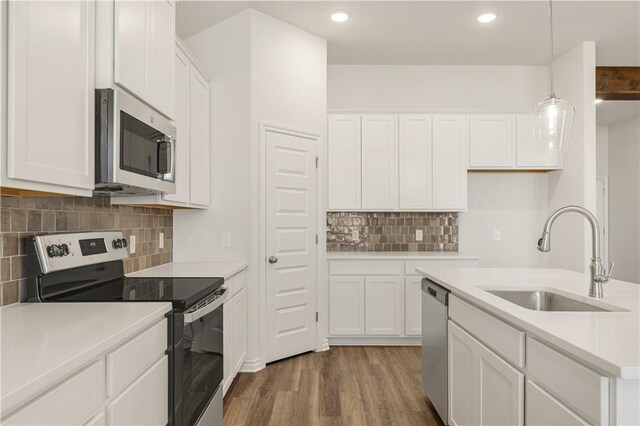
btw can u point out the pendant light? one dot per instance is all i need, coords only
(553, 116)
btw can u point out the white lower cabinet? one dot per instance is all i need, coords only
(483, 388)
(235, 328)
(346, 306)
(383, 307)
(543, 409)
(412, 306)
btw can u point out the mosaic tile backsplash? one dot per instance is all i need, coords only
(21, 217)
(392, 231)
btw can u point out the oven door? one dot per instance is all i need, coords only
(202, 363)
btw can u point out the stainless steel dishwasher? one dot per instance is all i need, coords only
(435, 305)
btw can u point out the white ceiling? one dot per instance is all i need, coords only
(444, 32)
(609, 112)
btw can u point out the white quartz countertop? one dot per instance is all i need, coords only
(192, 269)
(609, 341)
(42, 343)
(411, 255)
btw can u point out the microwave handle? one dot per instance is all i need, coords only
(170, 157)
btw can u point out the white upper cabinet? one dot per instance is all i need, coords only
(144, 39)
(449, 140)
(50, 97)
(491, 140)
(199, 137)
(414, 162)
(379, 172)
(345, 185)
(528, 153)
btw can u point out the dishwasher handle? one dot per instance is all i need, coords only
(436, 291)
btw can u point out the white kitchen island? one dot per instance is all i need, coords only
(509, 363)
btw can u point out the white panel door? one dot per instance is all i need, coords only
(462, 377)
(528, 152)
(290, 244)
(182, 78)
(160, 54)
(491, 140)
(379, 153)
(199, 154)
(130, 46)
(51, 92)
(413, 306)
(542, 409)
(239, 329)
(345, 187)
(501, 390)
(450, 137)
(384, 301)
(346, 306)
(414, 162)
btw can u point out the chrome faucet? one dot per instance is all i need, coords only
(598, 274)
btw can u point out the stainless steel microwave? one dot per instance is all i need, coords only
(135, 146)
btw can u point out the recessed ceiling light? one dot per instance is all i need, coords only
(598, 100)
(339, 16)
(486, 17)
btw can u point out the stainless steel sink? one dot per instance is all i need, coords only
(539, 300)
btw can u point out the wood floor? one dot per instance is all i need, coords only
(347, 385)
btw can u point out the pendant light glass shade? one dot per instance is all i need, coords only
(553, 117)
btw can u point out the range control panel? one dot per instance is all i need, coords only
(57, 252)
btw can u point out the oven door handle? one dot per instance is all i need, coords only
(193, 316)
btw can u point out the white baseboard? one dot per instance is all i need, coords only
(324, 345)
(374, 341)
(252, 366)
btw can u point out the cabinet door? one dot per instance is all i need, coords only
(239, 329)
(345, 187)
(379, 172)
(414, 162)
(528, 152)
(450, 138)
(160, 54)
(346, 305)
(182, 113)
(413, 306)
(227, 345)
(130, 44)
(383, 305)
(544, 409)
(462, 377)
(491, 140)
(501, 397)
(200, 179)
(51, 93)
(145, 401)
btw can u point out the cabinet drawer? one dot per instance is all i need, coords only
(73, 402)
(504, 339)
(410, 266)
(131, 359)
(146, 401)
(544, 410)
(366, 267)
(580, 388)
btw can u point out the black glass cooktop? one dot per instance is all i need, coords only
(181, 292)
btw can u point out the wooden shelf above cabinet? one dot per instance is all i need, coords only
(618, 83)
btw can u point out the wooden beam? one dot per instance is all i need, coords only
(618, 83)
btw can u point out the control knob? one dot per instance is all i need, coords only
(117, 243)
(54, 250)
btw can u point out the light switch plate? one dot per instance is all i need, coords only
(132, 244)
(418, 234)
(496, 236)
(225, 239)
(355, 234)
(161, 240)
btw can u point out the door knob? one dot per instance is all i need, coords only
(273, 259)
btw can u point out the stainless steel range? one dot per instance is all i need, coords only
(88, 267)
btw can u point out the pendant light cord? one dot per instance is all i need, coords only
(551, 86)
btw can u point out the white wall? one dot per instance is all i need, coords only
(514, 203)
(624, 198)
(602, 152)
(576, 183)
(262, 69)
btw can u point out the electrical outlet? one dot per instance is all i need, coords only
(132, 244)
(355, 234)
(161, 240)
(418, 234)
(225, 239)
(496, 236)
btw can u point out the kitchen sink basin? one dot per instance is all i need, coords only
(540, 300)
